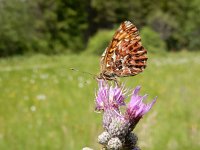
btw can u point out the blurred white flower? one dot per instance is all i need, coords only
(33, 108)
(80, 85)
(44, 76)
(88, 81)
(41, 97)
(80, 78)
(32, 81)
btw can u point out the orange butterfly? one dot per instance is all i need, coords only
(125, 55)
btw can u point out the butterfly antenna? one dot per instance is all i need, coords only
(73, 69)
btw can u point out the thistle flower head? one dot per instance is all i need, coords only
(109, 97)
(136, 108)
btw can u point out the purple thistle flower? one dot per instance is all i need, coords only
(109, 97)
(117, 125)
(136, 108)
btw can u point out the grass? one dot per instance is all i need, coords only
(45, 105)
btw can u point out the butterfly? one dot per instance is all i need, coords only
(125, 56)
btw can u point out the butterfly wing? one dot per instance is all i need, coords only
(125, 55)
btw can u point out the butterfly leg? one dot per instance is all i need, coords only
(117, 82)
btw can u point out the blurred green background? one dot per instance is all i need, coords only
(45, 105)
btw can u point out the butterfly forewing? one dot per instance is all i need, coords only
(125, 55)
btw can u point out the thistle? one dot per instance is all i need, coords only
(118, 125)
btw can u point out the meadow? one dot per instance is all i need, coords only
(46, 106)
